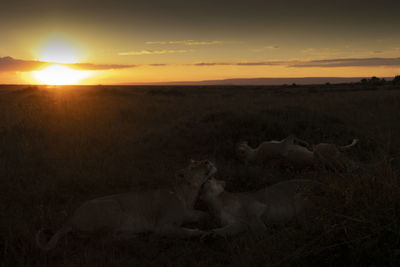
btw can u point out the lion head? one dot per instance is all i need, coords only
(197, 172)
(213, 187)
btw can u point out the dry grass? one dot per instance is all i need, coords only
(61, 146)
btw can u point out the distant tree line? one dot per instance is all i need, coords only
(396, 80)
(376, 81)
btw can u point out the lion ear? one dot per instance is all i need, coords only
(223, 183)
(242, 146)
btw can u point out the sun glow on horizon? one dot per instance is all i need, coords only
(60, 75)
(61, 51)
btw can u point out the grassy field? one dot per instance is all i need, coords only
(60, 146)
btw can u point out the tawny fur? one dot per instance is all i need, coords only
(266, 151)
(287, 153)
(298, 157)
(239, 212)
(330, 156)
(161, 211)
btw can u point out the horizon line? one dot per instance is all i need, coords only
(220, 82)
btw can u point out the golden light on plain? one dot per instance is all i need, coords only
(60, 75)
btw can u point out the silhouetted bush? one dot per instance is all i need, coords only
(396, 80)
(373, 81)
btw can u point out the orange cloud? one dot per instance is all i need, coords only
(268, 47)
(151, 52)
(272, 47)
(90, 66)
(187, 42)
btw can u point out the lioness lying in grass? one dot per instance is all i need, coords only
(287, 153)
(161, 211)
(239, 212)
(267, 151)
(331, 156)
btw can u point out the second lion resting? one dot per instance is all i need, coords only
(239, 212)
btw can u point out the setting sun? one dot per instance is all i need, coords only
(60, 75)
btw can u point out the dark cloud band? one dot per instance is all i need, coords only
(348, 62)
(9, 64)
(328, 63)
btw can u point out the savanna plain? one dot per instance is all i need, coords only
(63, 145)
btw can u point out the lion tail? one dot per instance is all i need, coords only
(53, 240)
(344, 148)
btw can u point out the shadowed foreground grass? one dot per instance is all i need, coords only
(61, 146)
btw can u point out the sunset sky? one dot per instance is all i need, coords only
(140, 41)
